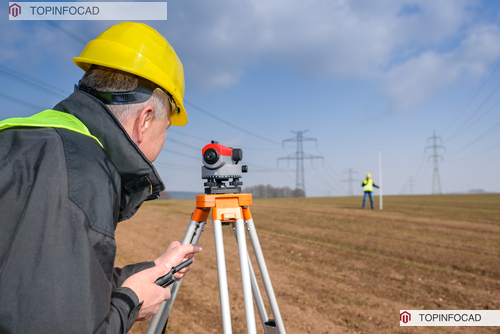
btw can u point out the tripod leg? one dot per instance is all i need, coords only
(245, 275)
(158, 321)
(222, 274)
(256, 292)
(265, 276)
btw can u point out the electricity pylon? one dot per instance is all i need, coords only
(411, 181)
(299, 156)
(436, 183)
(350, 171)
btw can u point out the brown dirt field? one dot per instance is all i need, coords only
(334, 267)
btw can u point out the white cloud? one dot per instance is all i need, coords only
(409, 83)
(416, 46)
(412, 47)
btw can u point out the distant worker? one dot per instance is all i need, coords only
(368, 188)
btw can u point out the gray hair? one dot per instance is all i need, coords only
(107, 79)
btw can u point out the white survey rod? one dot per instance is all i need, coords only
(380, 176)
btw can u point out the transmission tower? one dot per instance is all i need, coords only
(411, 181)
(350, 171)
(299, 156)
(436, 183)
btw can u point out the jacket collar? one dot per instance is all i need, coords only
(140, 180)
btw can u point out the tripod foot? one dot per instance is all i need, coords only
(270, 327)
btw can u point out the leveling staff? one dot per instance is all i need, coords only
(69, 175)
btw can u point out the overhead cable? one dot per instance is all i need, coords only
(484, 134)
(230, 124)
(13, 99)
(41, 86)
(475, 92)
(474, 113)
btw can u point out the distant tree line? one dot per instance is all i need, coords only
(263, 191)
(165, 195)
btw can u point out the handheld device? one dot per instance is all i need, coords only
(168, 279)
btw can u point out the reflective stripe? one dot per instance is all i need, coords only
(368, 185)
(49, 119)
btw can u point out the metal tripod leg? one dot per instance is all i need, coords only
(255, 289)
(245, 275)
(266, 279)
(269, 328)
(158, 321)
(222, 275)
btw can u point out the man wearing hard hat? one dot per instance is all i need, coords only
(68, 176)
(368, 188)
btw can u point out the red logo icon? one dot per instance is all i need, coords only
(14, 9)
(405, 317)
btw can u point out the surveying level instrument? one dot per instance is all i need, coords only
(229, 207)
(218, 168)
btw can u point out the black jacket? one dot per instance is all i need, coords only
(61, 197)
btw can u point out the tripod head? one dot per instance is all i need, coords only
(220, 163)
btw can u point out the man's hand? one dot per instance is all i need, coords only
(177, 253)
(143, 283)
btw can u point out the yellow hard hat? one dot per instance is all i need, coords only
(368, 175)
(139, 49)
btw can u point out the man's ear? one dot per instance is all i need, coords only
(143, 122)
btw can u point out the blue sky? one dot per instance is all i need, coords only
(360, 76)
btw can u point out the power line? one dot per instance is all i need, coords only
(484, 113)
(336, 183)
(475, 92)
(411, 181)
(159, 163)
(299, 156)
(184, 144)
(321, 178)
(477, 153)
(29, 81)
(230, 124)
(66, 32)
(332, 170)
(436, 183)
(472, 115)
(350, 180)
(484, 134)
(181, 154)
(13, 99)
(172, 129)
(421, 164)
(41, 86)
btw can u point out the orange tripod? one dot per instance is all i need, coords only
(229, 209)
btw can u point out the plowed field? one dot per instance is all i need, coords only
(336, 268)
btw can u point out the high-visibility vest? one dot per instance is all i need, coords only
(368, 185)
(49, 119)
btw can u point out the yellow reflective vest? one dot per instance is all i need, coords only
(368, 185)
(49, 119)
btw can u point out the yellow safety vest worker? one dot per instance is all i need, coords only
(49, 119)
(368, 185)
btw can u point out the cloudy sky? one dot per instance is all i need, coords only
(354, 77)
